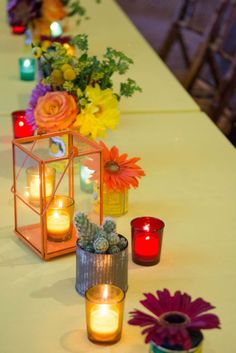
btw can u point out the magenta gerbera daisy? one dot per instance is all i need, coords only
(176, 319)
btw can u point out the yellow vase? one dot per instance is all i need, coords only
(115, 203)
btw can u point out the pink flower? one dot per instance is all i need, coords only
(55, 111)
(175, 318)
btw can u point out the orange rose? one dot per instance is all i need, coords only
(55, 111)
(53, 10)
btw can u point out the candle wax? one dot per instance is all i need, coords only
(35, 188)
(58, 222)
(104, 320)
(146, 245)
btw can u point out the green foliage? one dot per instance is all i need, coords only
(89, 70)
(100, 240)
(74, 8)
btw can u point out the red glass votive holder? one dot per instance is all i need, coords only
(18, 29)
(146, 240)
(21, 128)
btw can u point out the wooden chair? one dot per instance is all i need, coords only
(185, 20)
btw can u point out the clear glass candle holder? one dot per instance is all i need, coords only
(59, 218)
(146, 240)
(104, 313)
(33, 184)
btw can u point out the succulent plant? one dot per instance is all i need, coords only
(100, 240)
(100, 245)
(109, 225)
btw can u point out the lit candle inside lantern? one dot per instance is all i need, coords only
(146, 240)
(86, 183)
(59, 218)
(34, 182)
(21, 128)
(27, 69)
(56, 29)
(35, 187)
(104, 308)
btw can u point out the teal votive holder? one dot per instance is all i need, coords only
(27, 69)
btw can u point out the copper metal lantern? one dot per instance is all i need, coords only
(47, 189)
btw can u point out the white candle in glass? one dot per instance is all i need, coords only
(104, 320)
(59, 218)
(35, 187)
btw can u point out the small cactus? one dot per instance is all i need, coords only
(109, 225)
(101, 245)
(113, 239)
(100, 233)
(101, 240)
(123, 243)
(114, 249)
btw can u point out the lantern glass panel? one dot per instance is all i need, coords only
(48, 183)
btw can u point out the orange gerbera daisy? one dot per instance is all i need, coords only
(119, 172)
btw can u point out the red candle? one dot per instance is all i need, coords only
(21, 128)
(146, 240)
(18, 29)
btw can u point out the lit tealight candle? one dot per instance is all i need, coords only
(146, 240)
(34, 181)
(21, 128)
(59, 218)
(104, 309)
(27, 69)
(56, 29)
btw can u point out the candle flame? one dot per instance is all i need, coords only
(147, 237)
(56, 215)
(27, 194)
(147, 227)
(105, 292)
(60, 204)
(26, 63)
(21, 123)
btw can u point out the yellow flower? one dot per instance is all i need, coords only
(69, 75)
(99, 114)
(37, 52)
(79, 92)
(57, 77)
(66, 67)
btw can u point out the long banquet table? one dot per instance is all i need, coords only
(108, 27)
(190, 184)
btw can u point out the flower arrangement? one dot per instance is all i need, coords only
(99, 240)
(39, 14)
(177, 321)
(77, 92)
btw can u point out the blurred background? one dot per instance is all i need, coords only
(197, 41)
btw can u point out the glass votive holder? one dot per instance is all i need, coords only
(146, 240)
(104, 313)
(27, 69)
(21, 128)
(56, 29)
(59, 218)
(18, 29)
(33, 183)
